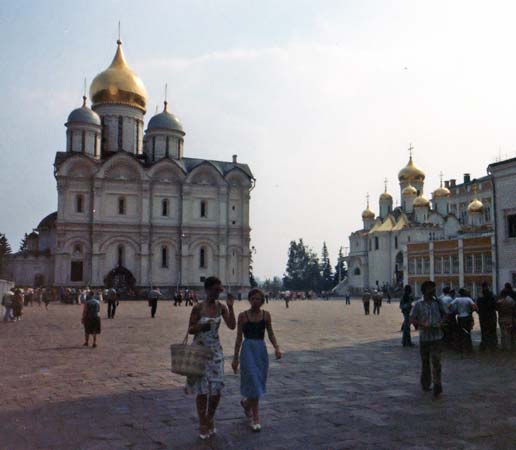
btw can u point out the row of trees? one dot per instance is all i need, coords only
(5, 250)
(305, 271)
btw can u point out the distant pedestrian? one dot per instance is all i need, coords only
(366, 300)
(348, 297)
(506, 307)
(464, 306)
(377, 301)
(47, 297)
(17, 304)
(406, 306)
(7, 303)
(91, 319)
(287, 300)
(154, 296)
(427, 315)
(254, 360)
(112, 301)
(486, 305)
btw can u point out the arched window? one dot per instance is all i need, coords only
(120, 255)
(79, 204)
(121, 205)
(96, 148)
(164, 208)
(167, 146)
(83, 141)
(120, 132)
(202, 258)
(137, 136)
(376, 243)
(204, 208)
(154, 148)
(77, 250)
(356, 272)
(164, 257)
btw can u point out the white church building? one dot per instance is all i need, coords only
(132, 209)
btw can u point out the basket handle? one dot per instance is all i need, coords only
(185, 340)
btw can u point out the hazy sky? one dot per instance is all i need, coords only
(320, 98)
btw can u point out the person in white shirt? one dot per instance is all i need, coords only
(464, 306)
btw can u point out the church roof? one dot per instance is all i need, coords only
(49, 221)
(401, 223)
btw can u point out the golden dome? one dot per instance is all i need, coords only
(409, 190)
(118, 84)
(368, 214)
(411, 173)
(385, 196)
(421, 201)
(475, 206)
(441, 192)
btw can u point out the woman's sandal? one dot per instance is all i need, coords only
(256, 427)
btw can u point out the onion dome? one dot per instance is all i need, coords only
(165, 121)
(409, 190)
(476, 206)
(411, 173)
(367, 213)
(84, 115)
(421, 201)
(441, 192)
(118, 84)
(385, 196)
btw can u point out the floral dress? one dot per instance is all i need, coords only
(212, 382)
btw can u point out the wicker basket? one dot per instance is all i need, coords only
(189, 360)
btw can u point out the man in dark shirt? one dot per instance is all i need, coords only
(487, 316)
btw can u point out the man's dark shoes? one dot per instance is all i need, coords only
(438, 389)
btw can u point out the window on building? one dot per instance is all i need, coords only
(511, 226)
(121, 206)
(356, 272)
(83, 141)
(167, 146)
(419, 266)
(446, 264)
(487, 210)
(395, 242)
(120, 132)
(154, 148)
(412, 266)
(164, 257)
(488, 263)
(76, 271)
(376, 243)
(233, 207)
(178, 148)
(468, 264)
(204, 208)
(79, 204)
(137, 136)
(164, 208)
(70, 140)
(103, 134)
(77, 249)
(455, 263)
(202, 258)
(370, 244)
(438, 264)
(96, 148)
(426, 265)
(478, 263)
(120, 255)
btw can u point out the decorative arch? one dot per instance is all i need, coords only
(70, 244)
(77, 166)
(167, 170)
(205, 174)
(125, 240)
(238, 178)
(122, 166)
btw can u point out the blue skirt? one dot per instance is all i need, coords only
(254, 365)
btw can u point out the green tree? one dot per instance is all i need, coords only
(340, 268)
(5, 250)
(302, 272)
(24, 246)
(252, 281)
(327, 280)
(274, 285)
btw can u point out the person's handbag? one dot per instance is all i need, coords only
(189, 360)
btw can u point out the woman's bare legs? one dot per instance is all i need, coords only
(201, 402)
(212, 408)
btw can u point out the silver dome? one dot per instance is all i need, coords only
(165, 121)
(84, 115)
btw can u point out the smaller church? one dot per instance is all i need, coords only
(133, 210)
(425, 239)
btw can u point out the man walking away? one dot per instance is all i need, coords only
(427, 316)
(377, 301)
(154, 296)
(406, 307)
(486, 305)
(112, 302)
(465, 307)
(366, 300)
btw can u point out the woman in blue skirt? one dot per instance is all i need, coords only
(254, 360)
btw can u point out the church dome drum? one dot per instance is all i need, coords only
(118, 84)
(84, 115)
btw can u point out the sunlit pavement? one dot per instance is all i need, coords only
(345, 382)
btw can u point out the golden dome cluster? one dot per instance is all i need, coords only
(409, 190)
(476, 206)
(118, 84)
(421, 201)
(441, 192)
(411, 173)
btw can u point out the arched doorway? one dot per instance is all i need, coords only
(398, 273)
(121, 279)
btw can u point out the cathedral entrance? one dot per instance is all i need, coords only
(398, 273)
(121, 279)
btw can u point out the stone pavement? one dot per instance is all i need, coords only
(345, 383)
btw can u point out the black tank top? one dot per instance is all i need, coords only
(254, 330)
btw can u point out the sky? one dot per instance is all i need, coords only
(320, 98)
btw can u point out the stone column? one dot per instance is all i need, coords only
(461, 262)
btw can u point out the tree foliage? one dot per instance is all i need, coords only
(327, 280)
(5, 250)
(341, 265)
(24, 246)
(302, 272)
(274, 285)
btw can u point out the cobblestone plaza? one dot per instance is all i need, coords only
(345, 382)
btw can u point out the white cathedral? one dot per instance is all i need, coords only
(132, 209)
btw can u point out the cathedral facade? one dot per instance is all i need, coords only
(379, 252)
(132, 208)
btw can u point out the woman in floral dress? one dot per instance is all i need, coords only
(205, 321)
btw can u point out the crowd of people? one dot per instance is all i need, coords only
(16, 299)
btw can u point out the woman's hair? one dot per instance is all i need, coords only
(211, 281)
(255, 291)
(408, 289)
